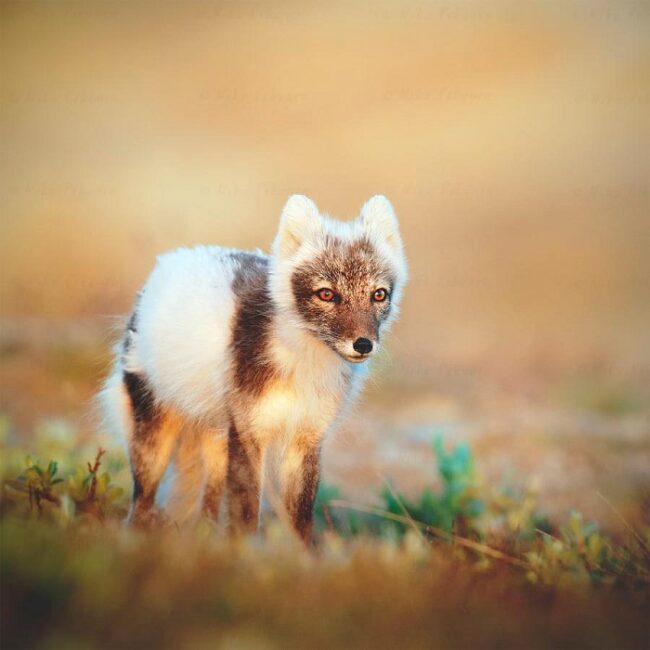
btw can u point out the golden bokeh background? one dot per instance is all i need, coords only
(512, 138)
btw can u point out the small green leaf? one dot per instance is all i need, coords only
(52, 467)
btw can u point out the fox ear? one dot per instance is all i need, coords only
(298, 222)
(379, 220)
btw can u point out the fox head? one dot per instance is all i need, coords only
(341, 282)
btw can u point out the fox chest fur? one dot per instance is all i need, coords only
(302, 397)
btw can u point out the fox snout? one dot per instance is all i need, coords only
(359, 349)
(362, 345)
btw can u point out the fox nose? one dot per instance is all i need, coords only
(362, 346)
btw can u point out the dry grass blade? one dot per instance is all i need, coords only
(439, 532)
(410, 519)
(625, 522)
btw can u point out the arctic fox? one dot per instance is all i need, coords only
(228, 354)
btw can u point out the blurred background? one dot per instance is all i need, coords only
(512, 138)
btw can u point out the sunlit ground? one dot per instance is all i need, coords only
(525, 569)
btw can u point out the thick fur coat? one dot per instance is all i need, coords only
(228, 354)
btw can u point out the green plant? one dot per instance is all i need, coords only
(37, 484)
(85, 491)
(93, 493)
(457, 507)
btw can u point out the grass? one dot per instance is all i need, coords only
(461, 566)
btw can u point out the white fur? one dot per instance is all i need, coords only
(184, 330)
(299, 221)
(113, 402)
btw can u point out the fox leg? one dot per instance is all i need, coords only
(183, 504)
(244, 481)
(215, 460)
(299, 475)
(201, 461)
(152, 440)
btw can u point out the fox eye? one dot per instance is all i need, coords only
(380, 295)
(326, 295)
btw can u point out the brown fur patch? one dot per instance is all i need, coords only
(212, 501)
(301, 493)
(252, 323)
(214, 452)
(146, 423)
(143, 405)
(244, 466)
(353, 271)
(150, 449)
